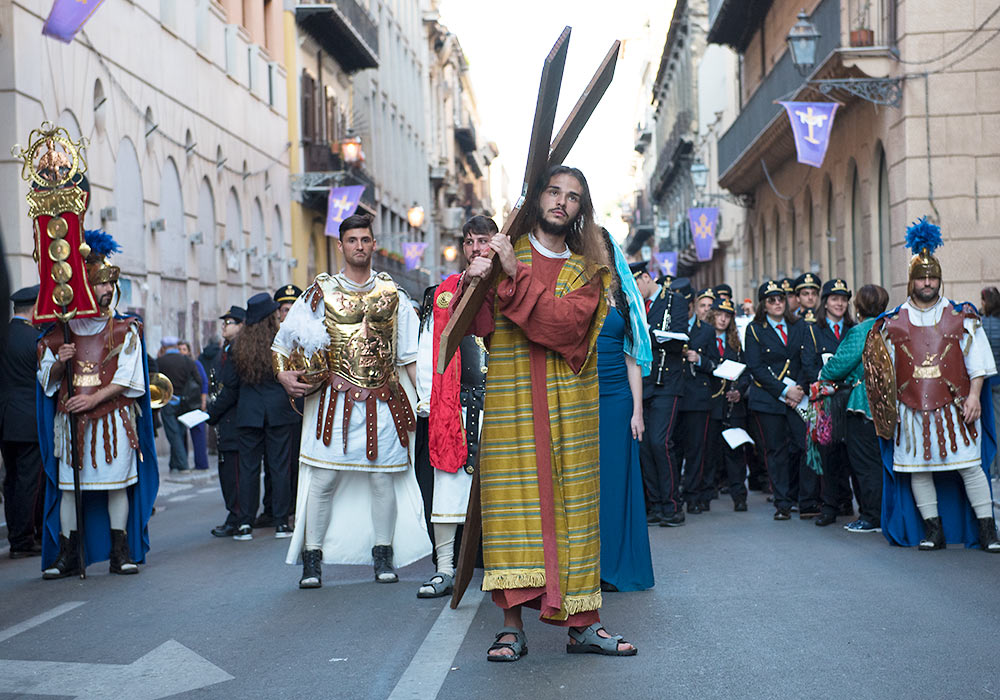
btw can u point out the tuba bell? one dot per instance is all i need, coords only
(161, 390)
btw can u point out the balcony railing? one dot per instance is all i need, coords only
(783, 79)
(344, 29)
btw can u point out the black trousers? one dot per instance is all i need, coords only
(22, 493)
(693, 438)
(777, 433)
(730, 464)
(834, 483)
(229, 481)
(275, 441)
(661, 469)
(866, 466)
(757, 479)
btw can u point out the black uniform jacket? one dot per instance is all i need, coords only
(721, 408)
(668, 312)
(255, 403)
(18, 367)
(823, 339)
(222, 411)
(698, 377)
(770, 361)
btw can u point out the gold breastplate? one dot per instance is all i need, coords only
(362, 328)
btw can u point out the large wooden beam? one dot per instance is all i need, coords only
(541, 155)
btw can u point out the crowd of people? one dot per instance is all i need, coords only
(552, 395)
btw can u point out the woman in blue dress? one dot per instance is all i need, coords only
(623, 357)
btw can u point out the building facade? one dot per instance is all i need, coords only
(187, 155)
(919, 85)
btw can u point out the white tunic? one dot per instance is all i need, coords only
(350, 535)
(451, 490)
(908, 456)
(122, 470)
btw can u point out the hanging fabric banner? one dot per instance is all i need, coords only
(812, 124)
(412, 254)
(67, 17)
(667, 262)
(703, 221)
(342, 203)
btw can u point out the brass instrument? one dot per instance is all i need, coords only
(161, 390)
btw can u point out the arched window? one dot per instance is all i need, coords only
(884, 229)
(765, 264)
(206, 227)
(234, 241)
(779, 243)
(831, 260)
(279, 271)
(258, 244)
(809, 251)
(857, 233)
(171, 242)
(129, 225)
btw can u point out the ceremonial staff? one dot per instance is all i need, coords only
(541, 155)
(57, 202)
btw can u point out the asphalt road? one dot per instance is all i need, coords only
(743, 607)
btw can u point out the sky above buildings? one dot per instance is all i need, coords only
(506, 44)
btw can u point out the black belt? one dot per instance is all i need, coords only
(472, 399)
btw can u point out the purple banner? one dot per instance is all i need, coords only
(703, 221)
(67, 17)
(667, 262)
(812, 124)
(412, 254)
(342, 203)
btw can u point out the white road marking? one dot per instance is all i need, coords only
(169, 669)
(182, 497)
(39, 619)
(430, 666)
(209, 489)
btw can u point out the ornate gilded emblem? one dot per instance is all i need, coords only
(60, 162)
(444, 300)
(880, 383)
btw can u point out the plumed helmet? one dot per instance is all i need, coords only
(923, 238)
(101, 247)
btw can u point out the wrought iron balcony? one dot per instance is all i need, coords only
(344, 29)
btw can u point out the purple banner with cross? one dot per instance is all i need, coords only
(812, 124)
(342, 203)
(667, 262)
(413, 253)
(67, 17)
(703, 221)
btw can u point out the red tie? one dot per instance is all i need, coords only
(784, 336)
(648, 304)
(722, 352)
(836, 330)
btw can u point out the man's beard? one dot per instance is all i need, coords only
(105, 300)
(926, 294)
(554, 229)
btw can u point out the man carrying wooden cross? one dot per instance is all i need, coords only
(539, 464)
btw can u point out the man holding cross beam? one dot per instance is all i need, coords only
(539, 463)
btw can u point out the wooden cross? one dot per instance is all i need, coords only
(543, 152)
(541, 156)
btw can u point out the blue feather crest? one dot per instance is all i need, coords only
(101, 243)
(923, 234)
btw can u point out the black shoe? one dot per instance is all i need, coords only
(121, 559)
(988, 536)
(740, 506)
(653, 517)
(264, 520)
(706, 506)
(809, 514)
(282, 531)
(382, 555)
(673, 520)
(34, 550)
(770, 499)
(694, 508)
(782, 514)
(608, 587)
(224, 530)
(312, 569)
(243, 533)
(933, 535)
(67, 563)
(825, 519)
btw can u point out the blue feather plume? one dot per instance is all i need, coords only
(923, 234)
(101, 243)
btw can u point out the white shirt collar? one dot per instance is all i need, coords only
(545, 252)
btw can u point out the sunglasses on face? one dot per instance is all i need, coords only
(230, 322)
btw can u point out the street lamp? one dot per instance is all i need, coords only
(415, 215)
(699, 174)
(450, 253)
(802, 43)
(350, 148)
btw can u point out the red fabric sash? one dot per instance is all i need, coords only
(445, 432)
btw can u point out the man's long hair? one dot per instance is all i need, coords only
(251, 350)
(583, 235)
